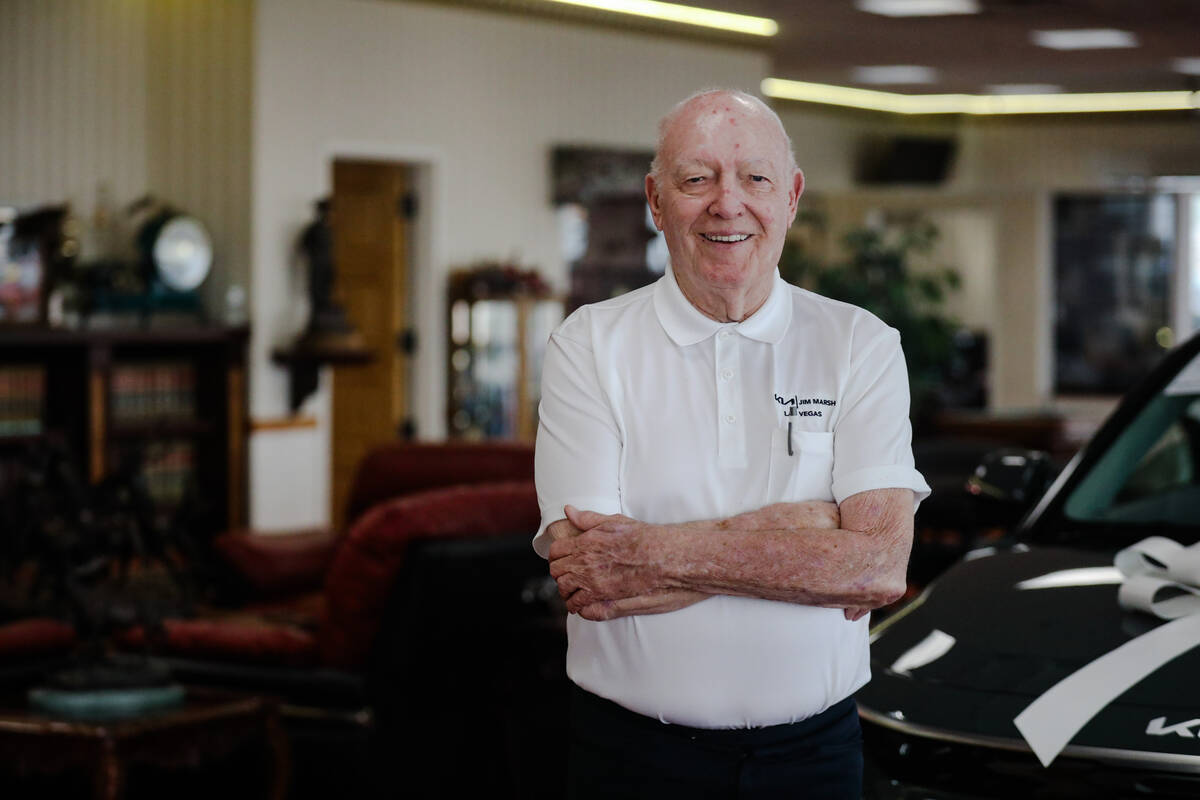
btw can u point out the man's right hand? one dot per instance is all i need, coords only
(659, 602)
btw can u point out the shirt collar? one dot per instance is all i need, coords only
(684, 323)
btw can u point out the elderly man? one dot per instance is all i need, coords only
(727, 488)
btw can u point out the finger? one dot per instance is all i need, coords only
(561, 549)
(580, 600)
(559, 567)
(598, 612)
(583, 519)
(567, 585)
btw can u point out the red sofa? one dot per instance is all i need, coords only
(274, 564)
(431, 609)
(295, 608)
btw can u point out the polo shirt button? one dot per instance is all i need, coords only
(725, 334)
(726, 374)
(730, 418)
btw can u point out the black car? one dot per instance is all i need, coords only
(956, 666)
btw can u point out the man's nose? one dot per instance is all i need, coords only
(728, 201)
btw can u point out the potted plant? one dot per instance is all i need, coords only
(875, 272)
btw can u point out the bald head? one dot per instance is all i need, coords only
(683, 113)
(723, 189)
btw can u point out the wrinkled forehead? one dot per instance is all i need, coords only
(713, 119)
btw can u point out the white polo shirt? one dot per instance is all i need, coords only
(652, 410)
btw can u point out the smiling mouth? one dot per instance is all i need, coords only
(731, 238)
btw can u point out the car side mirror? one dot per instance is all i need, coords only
(1011, 480)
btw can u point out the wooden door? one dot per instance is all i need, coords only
(371, 401)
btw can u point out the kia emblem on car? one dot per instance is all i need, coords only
(1159, 727)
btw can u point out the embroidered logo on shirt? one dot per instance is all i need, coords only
(792, 405)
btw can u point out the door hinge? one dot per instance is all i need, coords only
(407, 429)
(406, 341)
(408, 206)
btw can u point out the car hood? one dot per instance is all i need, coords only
(995, 632)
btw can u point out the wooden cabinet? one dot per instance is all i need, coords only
(176, 397)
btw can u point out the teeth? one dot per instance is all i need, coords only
(737, 237)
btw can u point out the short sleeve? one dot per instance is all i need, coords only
(872, 444)
(578, 449)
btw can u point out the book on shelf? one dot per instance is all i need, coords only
(22, 400)
(147, 392)
(167, 467)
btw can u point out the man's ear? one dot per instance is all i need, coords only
(797, 189)
(652, 199)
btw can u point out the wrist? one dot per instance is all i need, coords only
(670, 554)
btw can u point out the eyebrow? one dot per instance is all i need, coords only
(694, 163)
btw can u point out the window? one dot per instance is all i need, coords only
(1115, 258)
(1151, 472)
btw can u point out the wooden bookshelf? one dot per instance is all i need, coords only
(178, 394)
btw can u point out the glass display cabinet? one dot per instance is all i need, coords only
(500, 320)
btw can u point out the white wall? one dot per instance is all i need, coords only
(140, 97)
(478, 98)
(75, 99)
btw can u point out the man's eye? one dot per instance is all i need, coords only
(758, 178)
(695, 179)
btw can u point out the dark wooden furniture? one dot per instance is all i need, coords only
(1035, 430)
(79, 368)
(211, 724)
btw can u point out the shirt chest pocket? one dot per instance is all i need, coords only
(804, 473)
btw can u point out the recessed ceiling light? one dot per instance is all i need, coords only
(1023, 88)
(917, 8)
(1180, 184)
(979, 104)
(1084, 39)
(1188, 66)
(688, 15)
(894, 74)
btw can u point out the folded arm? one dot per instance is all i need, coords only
(779, 516)
(853, 557)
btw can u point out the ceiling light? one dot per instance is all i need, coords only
(896, 74)
(1084, 39)
(1179, 184)
(1023, 88)
(688, 15)
(1188, 66)
(979, 104)
(917, 8)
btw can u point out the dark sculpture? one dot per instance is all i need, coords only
(329, 337)
(72, 549)
(316, 243)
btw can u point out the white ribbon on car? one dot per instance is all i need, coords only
(1162, 577)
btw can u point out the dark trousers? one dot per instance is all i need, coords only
(617, 754)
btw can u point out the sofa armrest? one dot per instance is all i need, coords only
(373, 552)
(279, 563)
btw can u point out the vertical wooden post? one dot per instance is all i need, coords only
(98, 363)
(525, 430)
(236, 434)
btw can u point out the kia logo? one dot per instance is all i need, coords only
(1159, 727)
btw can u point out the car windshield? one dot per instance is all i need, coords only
(1151, 471)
